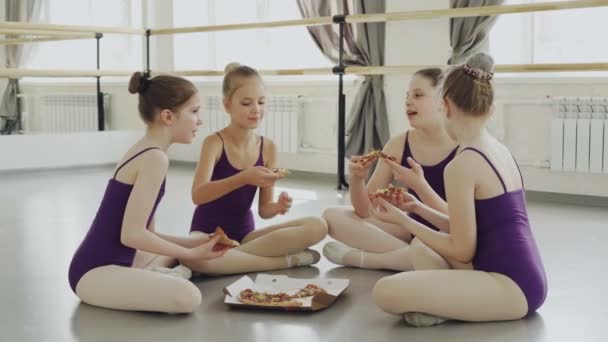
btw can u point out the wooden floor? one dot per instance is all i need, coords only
(44, 215)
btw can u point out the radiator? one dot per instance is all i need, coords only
(579, 135)
(280, 123)
(61, 113)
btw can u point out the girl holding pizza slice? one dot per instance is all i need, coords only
(234, 163)
(420, 155)
(122, 261)
(487, 226)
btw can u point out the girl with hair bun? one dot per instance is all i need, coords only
(122, 263)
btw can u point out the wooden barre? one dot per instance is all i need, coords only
(18, 73)
(474, 11)
(37, 40)
(555, 67)
(12, 25)
(269, 24)
(358, 18)
(38, 33)
(280, 72)
(401, 69)
(499, 68)
(384, 17)
(353, 70)
(405, 69)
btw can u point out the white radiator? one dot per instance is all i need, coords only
(579, 135)
(280, 123)
(61, 113)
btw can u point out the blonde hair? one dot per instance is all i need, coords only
(233, 73)
(469, 85)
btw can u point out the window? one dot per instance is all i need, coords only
(270, 48)
(118, 51)
(566, 36)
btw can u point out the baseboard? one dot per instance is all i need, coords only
(304, 175)
(581, 200)
(182, 163)
(330, 180)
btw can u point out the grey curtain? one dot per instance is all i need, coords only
(367, 126)
(16, 55)
(470, 35)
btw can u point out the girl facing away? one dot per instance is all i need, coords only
(487, 226)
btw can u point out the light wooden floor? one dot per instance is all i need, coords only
(44, 215)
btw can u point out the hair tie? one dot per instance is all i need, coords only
(477, 72)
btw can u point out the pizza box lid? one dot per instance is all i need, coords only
(280, 283)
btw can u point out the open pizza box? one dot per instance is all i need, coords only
(280, 283)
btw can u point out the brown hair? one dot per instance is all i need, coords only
(232, 73)
(159, 93)
(469, 85)
(432, 74)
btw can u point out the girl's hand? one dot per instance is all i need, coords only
(412, 177)
(386, 212)
(208, 249)
(260, 176)
(357, 170)
(283, 203)
(407, 202)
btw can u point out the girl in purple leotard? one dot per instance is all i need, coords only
(488, 224)
(234, 163)
(423, 151)
(116, 265)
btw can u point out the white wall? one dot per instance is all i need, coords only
(522, 126)
(21, 152)
(421, 42)
(318, 123)
(159, 14)
(525, 129)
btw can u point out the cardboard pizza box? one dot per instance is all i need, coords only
(281, 283)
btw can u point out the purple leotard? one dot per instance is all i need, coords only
(232, 211)
(101, 246)
(433, 175)
(505, 243)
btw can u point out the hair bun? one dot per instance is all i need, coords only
(481, 61)
(139, 82)
(134, 82)
(231, 67)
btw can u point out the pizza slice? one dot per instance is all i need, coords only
(224, 239)
(281, 172)
(373, 155)
(309, 291)
(248, 296)
(391, 194)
